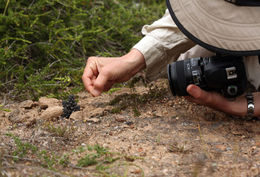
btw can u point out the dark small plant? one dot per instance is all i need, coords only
(69, 106)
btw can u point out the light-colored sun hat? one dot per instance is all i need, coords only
(229, 27)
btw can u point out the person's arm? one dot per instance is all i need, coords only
(162, 44)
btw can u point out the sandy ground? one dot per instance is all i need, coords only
(153, 136)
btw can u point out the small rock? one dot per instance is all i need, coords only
(2, 114)
(120, 119)
(221, 147)
(137, 171)
(78, 115)
(31, 114)
(257, 144)
(52, 112)
(28, 104)
(32, 121)
(14, 116)
(20, 116)
(158, 114)
(45, 102)
(93, 113)
(125, 126)
(95, 120)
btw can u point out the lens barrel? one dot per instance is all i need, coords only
(176, 78)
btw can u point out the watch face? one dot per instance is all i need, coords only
(250, 104)
(250, 108)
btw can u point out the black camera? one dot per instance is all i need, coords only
(223, 74)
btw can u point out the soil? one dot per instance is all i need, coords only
(153, 136)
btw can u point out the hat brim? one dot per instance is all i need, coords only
(219, 26)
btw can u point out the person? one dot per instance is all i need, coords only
(188, 29)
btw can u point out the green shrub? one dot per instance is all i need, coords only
(44, 43)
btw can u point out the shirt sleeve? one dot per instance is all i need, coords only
(162, 44)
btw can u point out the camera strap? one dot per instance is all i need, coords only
(245, 2)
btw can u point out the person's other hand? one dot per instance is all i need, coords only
(216, 101)
(102, 72)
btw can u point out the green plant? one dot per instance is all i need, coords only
(48, 160)
(22, 148)
(101, 155)
(92, 155)
(59, 130)
(64, 160)
(134, 100)
(136, 112)
(43, 157)
(89, 159)
(4, 109)
(44, 44)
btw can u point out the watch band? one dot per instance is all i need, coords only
(250, 105)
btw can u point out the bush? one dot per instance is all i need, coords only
(44, 43)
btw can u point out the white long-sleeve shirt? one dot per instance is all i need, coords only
(164, 43)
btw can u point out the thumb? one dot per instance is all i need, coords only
(194, 91)
(200, 95)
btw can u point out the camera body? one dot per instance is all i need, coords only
(223, 74)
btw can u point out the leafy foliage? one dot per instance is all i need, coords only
(44, 43)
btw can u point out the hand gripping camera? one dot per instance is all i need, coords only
(223, 74)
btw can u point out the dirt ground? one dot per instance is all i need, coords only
(154, 135)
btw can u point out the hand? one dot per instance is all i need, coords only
(216, 101)
(101, 73)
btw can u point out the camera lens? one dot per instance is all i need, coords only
(182, 73)
(176, 77)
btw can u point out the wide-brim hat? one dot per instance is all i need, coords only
(219, 25)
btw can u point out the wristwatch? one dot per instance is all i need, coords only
(250, 105)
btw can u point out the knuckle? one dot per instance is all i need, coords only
(90, 59)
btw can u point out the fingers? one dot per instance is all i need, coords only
(199, 94)
(96, 79)
(102, 83)
(203, 97)
(89, 76)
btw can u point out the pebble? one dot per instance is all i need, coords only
(221, 147)
(257, 144)
(14, 116)
(93, 113)
(120, 119)
(95, 120)
(45, 102)
(26, 104)
(52, 112)
(78, 115)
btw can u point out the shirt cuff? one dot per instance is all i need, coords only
(150, 48)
